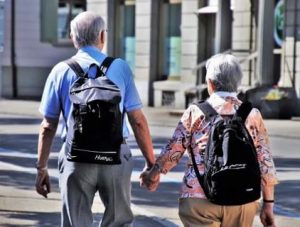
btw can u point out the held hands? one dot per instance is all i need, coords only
(150, 178)
(42, 182)
(267, 215)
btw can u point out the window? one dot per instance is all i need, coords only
(170, 39)
(124, 28)
(67, 10)
(129, 33)
(56, 29)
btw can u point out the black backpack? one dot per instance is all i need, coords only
(231, 174)
(95, 127)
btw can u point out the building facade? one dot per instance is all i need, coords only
(165, 42)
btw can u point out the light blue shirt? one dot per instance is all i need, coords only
(56, 91)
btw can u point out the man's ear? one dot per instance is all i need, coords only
(102, 36)
(72, 39)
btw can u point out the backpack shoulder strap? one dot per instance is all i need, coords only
(207, 109)
(105, 65)
(244, 110)
(209, 113)
(75, 67)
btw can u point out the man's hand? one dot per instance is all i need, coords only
(267, 215)
(46, 135)
(42, 182)
(150, 178)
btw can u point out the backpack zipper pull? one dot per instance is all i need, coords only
(99, 112)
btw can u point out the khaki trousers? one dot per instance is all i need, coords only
(195, 212)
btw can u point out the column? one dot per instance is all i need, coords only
(143, 40)
(265, 43)
(223, 26)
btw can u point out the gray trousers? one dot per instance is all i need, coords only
(79, 182)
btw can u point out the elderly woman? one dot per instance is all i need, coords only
(223, 78)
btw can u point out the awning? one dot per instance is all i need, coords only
(207, 10)
(212, 7)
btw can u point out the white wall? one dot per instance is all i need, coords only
(241, 34)
(189, 37)
(143, 39)
(30, 52)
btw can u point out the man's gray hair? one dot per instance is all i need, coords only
(224, 71)
(85, 29)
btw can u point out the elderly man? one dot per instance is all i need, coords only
(223, 78)
(80, 181)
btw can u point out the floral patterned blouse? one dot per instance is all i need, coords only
(191, 134)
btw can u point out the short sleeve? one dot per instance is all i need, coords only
(132, 99)
(50, 105)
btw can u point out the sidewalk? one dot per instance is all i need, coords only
(20, 205)
(162, 117)
(162, 123)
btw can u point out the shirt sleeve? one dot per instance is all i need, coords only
(50, 105)
(132, 99)
(258, 132)
(180, 141)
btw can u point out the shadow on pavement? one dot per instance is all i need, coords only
(287, 191)
(166, 195)
(22, 180)
(20, 121)
(39, 219)
(26, 143)
(287, 162)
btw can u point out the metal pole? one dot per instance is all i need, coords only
(12, 53)
(223, 26)
(295, 45)
(250, 42)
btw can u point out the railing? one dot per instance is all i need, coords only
(195, 92)
(289, 71)
(202, 64)
(243, 60)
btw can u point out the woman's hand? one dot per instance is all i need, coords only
(267, 215)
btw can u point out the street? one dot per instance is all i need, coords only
(20, 205)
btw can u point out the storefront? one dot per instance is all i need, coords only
(165, 42)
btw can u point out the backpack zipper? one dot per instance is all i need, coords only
(103, 88)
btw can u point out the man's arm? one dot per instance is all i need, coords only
(141, 131)
(46, 135)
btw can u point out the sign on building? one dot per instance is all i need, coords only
(278, 22)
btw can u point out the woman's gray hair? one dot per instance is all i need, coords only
(85, 29)
(225, 72)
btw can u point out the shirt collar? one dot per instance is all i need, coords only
(223, 95)
(224, 102)
(92, 51)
